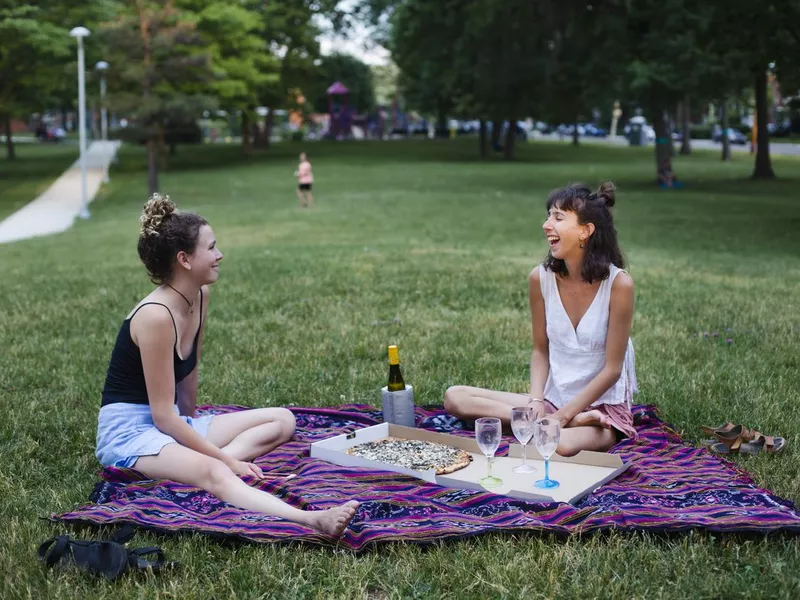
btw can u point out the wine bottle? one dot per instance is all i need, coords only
(396, 382)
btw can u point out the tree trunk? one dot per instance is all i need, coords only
(441, 119)
(268, 127)
(726, 143)
(686, 117)
(511, 137)
(670, 126)
(575, 137)
(497, 125)
(162, 147)
(246, 145)
(11, 153)
(482, 139)
(663, 143)
(763, 168)
(152, 167)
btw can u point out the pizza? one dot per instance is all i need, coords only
(414, 454)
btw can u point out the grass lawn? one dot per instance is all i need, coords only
(421, 232)
(37, 166)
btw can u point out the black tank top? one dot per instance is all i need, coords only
(125, 377)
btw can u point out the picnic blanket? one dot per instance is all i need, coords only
(671, 486)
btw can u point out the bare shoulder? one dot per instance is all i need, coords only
(623, 283)
(533, 276)
(152, 315)
(153, 322)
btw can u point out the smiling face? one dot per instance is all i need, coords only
(564, 233)
(205, 259)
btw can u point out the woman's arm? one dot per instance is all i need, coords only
(155, 336)
(620, 318)
(540, 357)
(187, 388)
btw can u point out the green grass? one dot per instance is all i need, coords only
(303, 311)
(35, 168)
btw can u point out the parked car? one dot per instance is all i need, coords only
(734, 136)
(594, 131)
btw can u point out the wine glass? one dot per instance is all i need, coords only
(547, 436)
(487, 434)
(523, 422)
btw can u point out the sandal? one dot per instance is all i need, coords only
(108, 558)
(770, 443)
(721, 429)
(731, 437)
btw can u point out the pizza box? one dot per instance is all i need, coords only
(578, 475)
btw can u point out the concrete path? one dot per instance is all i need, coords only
(55, 210)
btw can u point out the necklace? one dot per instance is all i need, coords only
(191, 304)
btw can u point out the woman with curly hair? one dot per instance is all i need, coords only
(581, 300)
(147, 420)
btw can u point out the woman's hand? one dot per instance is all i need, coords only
(242, 469)
(561, 416)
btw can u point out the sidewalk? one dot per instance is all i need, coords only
(55, 210)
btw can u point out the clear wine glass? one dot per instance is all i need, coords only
(547, 436)
(523, 423)
(487, 433)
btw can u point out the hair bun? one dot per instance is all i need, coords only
(157, 210)
(607, 192)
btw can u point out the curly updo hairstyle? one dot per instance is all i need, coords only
(602, 248)
(163, 234)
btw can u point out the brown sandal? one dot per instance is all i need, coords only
(721, 429)
(770, 443)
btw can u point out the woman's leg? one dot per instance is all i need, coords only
(183, 465)
(575, 439)
(250, 433)
(468, 402)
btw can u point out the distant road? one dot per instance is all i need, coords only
(775, 148)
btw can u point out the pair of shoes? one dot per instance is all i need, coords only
(732, 439)
(108, 558)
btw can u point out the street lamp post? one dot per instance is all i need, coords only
(102, 67)
(79, 33)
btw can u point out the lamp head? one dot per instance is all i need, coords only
(79, 32)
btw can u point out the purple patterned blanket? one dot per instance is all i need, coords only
(669, 487)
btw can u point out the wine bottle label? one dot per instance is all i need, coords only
(394, 356)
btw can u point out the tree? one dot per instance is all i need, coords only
(665, 61)
(354, 74)
(164, 68)
(240, 58)
(32, 57)
(291, 34)
(584, 61)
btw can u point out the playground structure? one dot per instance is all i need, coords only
(340, 125)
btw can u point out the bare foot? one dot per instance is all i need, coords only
(590, 417)
(335, 520)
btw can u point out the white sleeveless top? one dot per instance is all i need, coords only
(577, 355)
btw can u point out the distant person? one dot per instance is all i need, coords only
(304, 181)
(148, 422)
(666, 176)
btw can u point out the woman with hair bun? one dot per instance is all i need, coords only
(147, 421)
(581, 300)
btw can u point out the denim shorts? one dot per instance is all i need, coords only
(126, 431)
